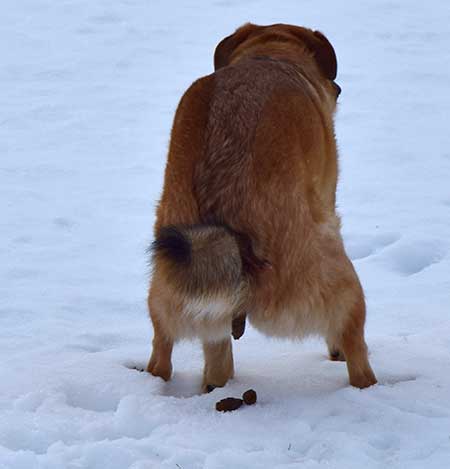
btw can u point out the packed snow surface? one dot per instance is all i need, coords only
(88, 92)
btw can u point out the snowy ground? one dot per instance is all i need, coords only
(88, 91)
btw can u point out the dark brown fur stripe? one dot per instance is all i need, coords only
(172, 244)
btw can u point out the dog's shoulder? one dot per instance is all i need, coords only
(197, 95)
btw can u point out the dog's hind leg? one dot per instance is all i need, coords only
(160, 363)
(354, 346)
(219, 366)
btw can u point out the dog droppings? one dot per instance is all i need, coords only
(233, 403)
(229, 404)
(249, 397)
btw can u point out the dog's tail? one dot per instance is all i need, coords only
(207, 266)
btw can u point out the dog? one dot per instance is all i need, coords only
(246, 225)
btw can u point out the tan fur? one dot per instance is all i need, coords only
(253, 148)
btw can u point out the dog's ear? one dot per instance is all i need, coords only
(227, 46)
(321, 48)
(326, 56)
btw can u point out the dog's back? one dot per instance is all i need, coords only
(253, 150)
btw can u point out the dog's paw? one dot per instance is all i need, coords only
(363, 380)
(163, 371)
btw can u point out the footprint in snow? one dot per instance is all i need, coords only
(63, 223)
(411, 257)
(360, 247)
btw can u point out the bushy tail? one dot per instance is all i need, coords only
(201, 262)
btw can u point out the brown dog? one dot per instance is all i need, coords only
(247, 221)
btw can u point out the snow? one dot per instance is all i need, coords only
(88, 95)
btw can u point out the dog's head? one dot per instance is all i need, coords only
(282, 41)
